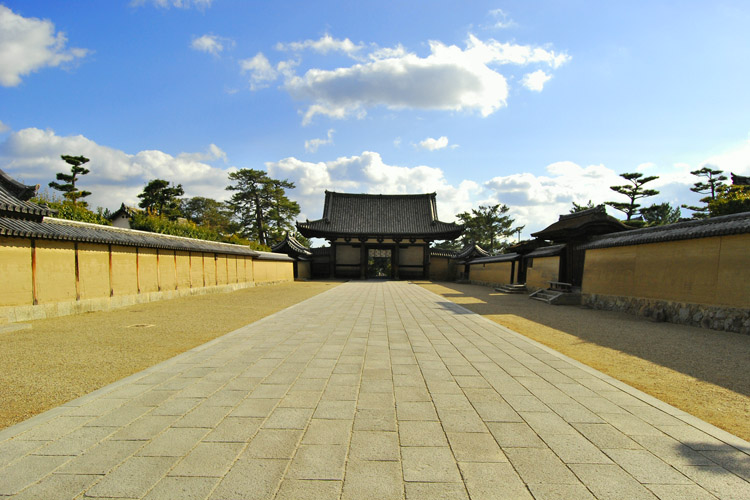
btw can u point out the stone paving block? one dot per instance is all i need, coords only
(268, 391)
(495, 411)
(695, 438)
(514, 435)
(416, 410)
(133, 478)
(606, 436)
(301, 489)
(599, 405)
(575, 449)
(436, 491)
(300, 399)
(96, 408)
(58, 487)
(733, 460)
(174, 442)
(200, 389)
(373, 481)
(610, 482)
(373, 400)
(143, 428)
(645, 467)
(322, 461)
(288, 418)
(525, 403)
(208, 460)
(53, 429)
(255, 479)
(340, 393)
(560, 492)
(672, 451)
(539, 466)
(302, 384)
(680, 492)
(203, 416)
(475, 447)
(374, 445)
(234, 430)
(547, 423)
(429, 464)
(243, 384)
(27, 471)
(13, 449)
(335, 410)
(176, 406)
(321, 431)
(452, 402)
(576, 413)
(119, 417)
(101, 458)
(494, 481)
(224, 397)
(273, 443)
(259, 408)
(421, 433)
(151, 398)
(409, 394)
(461, 421)
(183, 488)
(76, 442)
(366, 419)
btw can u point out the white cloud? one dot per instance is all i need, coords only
(29, 44)
(431, 144)
(535, 81)
(449, 78)
(179, 4)
(212, 44)
(324, 45)
(368, 173)
(3, 127)
(501, 19)
(33, 156)
(312, 145)
(262, 73)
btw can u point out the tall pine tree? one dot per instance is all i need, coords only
(68, 187)
(634, 191)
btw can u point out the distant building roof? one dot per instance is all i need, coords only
(549, 251)
(699, 228)
(380, 215)
(471, 251)
(14, 198)
(591, 222)
(503, 257)
(739, 180)
(291, 247)
(125, 211)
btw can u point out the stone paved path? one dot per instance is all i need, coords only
(371, 391)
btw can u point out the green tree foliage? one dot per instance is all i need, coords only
(711, 186)
(159, 198)
(659, 214)
(580, 208)
(730, 200)
(144, 221)
(68, 187)
(260, 205)
(69, 210)
(634, 191)
(488, 226)
(208, 212)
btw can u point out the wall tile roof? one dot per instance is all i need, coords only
(409, 215)
(700, 228)
(549, 251)
(505, 257)
(291, 246)
(14, 200)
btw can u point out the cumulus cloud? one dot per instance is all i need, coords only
(212, 44)
(368, 173)
(312, 145)
(501, 19)
(323, 45)
(449, 78)
(3, 127)
(29, 44)
(535, 81)
(431, 144)
(179, 4)
(33, 156)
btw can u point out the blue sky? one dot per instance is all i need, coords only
(531, 104)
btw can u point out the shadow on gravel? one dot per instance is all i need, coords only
(712, 356)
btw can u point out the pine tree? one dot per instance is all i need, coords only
(69, 187)
(487, 226)
(634, 191)
(159, 198)
(711, 187)
(260, 205)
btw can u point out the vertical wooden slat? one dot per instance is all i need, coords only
(33, 272)
(111, 288)
(78, 273)
(137, 270)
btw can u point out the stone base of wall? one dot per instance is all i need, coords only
(705, 316)
(42, 311)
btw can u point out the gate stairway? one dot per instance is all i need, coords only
(558, 293)
(511, 288)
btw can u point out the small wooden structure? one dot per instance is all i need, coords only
(378, 235)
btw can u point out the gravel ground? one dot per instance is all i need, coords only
(61, 359)
(700, 371)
